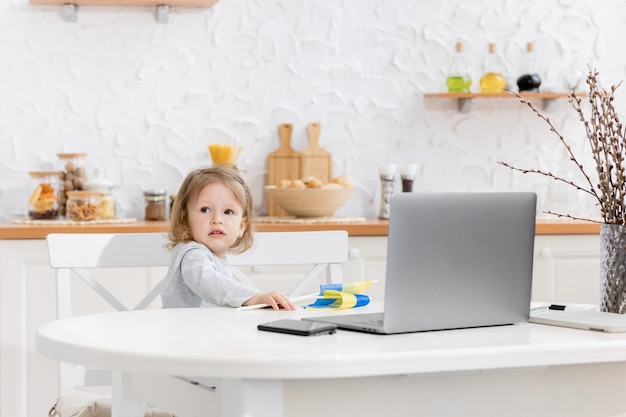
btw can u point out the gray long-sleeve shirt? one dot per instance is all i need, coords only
(198, 278)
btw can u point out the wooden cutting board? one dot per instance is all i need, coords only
(282, 164)
(316, 161)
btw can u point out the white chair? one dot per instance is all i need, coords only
(321, 254)
(77, 254)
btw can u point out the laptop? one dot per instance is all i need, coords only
(454, 260)
(581, 319)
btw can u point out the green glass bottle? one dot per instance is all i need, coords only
(459, 74)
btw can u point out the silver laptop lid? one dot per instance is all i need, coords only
(459, 260)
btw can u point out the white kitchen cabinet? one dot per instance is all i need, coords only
(566, 269)
(27, 300)
(368, 260)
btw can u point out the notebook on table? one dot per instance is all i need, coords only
(581, 319)
(454, 260)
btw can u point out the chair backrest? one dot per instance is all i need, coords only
(323, 251)
(78, 252)
(107, 250)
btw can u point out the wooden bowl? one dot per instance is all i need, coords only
(309, 202)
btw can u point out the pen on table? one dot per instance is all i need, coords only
(571, 307)
(300, 298)
(563, 307)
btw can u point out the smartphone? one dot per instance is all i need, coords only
(298, 327)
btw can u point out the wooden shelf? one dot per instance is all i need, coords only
(162, 6)
(173, 3)
(465, 100)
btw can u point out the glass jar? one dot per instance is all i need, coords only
(43, 203)
(155, 204)
(73, 175)
(83, 205)
(108, 207)
(107, 201)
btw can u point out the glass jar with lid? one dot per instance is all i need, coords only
(107, 200)
(155, 204)
(83, 205)
(73, 174)
(43, 203)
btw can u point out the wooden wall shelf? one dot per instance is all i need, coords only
(162, 6)
(465, 100)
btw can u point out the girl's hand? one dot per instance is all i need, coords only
(276, 300)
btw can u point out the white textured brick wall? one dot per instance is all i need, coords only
(145, 99)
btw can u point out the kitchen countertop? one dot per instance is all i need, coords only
(367, 227)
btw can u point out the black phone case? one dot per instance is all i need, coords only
(298, 327)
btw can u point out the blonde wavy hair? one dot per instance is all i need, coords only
(180, 232)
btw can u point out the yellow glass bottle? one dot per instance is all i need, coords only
(493, 81)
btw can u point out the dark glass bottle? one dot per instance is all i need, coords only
(530, 80)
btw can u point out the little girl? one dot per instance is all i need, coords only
(211, 217)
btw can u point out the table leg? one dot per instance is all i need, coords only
(122, 404)
(252, 398)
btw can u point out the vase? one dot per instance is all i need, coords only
(613, 268)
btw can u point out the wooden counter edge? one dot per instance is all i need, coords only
(371, 227)
(546, 227)
(21, 231)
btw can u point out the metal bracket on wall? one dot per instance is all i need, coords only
(69, 12)
(465, 105)
(162, 13)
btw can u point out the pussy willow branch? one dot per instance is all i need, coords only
(569, 216)
(591, 190)
(555, 178)
(605, 135)
(607, 139)
(547, 174)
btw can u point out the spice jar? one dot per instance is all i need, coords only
(407, 174)
(107, 201)
(73, 175)
(83, 205)
(155, 204)
(43, 203)
(387, 177)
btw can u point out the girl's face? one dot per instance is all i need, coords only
(216, 219)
